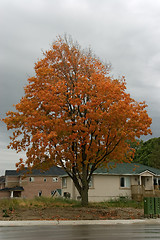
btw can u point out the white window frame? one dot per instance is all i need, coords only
(40, 193)
(31, 179)
(64, 182)
(91, 183)
(53, 192)
(55, 179)
(127, 182)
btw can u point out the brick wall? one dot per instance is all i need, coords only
(12, 181)
(40, 184)
(4, 194)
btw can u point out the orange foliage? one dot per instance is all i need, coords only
(74, 114)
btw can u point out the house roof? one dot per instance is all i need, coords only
(127, 168)
(53, 171)
(18, 188)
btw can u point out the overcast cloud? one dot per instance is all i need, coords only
(125, 33)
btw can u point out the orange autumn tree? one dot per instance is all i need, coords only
(76, 116)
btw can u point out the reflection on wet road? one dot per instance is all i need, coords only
(82, 232)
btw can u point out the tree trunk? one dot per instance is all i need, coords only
(83, 190)
(84, 196)
(82, 185)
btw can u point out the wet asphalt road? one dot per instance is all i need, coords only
(81, 232)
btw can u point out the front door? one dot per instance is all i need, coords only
(17, 194)
(143, 181)
(147, 182)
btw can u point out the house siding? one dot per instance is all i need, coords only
(70, 188)
(104, 188)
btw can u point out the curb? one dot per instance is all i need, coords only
(77, 222)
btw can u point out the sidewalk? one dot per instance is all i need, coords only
(78, 222)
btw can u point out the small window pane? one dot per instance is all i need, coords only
(31, 179)
(53, 192)
(125, 182)
(128, 182)
(91, 183)
(122, 184)
(155, 181)
(64, 182)
(39, 193)
(55, 179)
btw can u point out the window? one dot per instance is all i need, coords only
(67, 195)
(31, 179)
(39, 193)
(122, 182)
(64, 182)
(155, 181)
(125, 182)
(55, 179)
(45, 180)
(53, 192)
(91, 183)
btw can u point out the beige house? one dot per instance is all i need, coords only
(38, 183)
(125, 180)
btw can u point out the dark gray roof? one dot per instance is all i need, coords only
(12, 173)
(53, 171)
(12, 189)
(127, 168)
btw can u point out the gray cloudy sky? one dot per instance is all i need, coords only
(125, 33)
